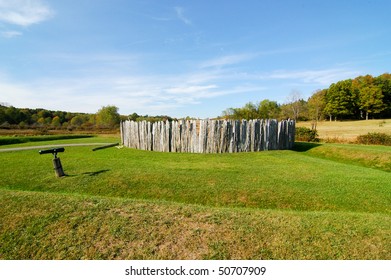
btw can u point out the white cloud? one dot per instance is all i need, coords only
(180, 12)
(227, 60)
(15, 94)
(11, 34)
(323, 77)
(24, 12)
(189, 89)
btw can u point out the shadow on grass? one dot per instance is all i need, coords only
(304, 146)
(95, 173)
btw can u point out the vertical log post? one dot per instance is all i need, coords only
(58, 167)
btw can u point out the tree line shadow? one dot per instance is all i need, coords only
(304, 146)
(92, 173)
(95, 173)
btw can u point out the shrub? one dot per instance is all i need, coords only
(375, 138)
(306, 134)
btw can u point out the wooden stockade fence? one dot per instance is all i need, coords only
(209, 136)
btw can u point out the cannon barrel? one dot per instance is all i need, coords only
(52, 151)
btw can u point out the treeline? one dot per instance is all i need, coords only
(106, 118)
(361, 98)
(138, 118)
(10, 117)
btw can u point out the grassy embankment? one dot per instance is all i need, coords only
(318, 202)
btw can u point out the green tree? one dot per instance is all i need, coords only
(2, 114)
(249, 111)
(384, 83)
(41, 121)
(341, 100)
(268, 109)
(13, 115)
(48, 121)
(34, 118)
(228, 113)
(369, 94)
(61, 115)
(65, 125)
(286, 112)
(371, 100)
(43, 113)
(316, 104)
(77, 121)
(133, 117)
(69, 116)
(108, 117)
(26, 116)
(265, 109)
(22, 125)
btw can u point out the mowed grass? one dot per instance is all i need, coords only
(312, 203)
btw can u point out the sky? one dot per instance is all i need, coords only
(184, 58)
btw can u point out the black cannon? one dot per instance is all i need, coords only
(56, 161)
(52, 151)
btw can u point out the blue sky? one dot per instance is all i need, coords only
(184, 58)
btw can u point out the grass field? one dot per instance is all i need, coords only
(346, 131)
(325, 201)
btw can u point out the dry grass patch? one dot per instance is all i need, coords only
(347, 131)
(74, 227)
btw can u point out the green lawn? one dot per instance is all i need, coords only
(324, 201)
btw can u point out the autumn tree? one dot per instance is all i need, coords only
(56, 123)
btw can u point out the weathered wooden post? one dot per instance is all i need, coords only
(56, 161)
(58, 167)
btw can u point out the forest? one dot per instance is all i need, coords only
(11, 117)
(106, 118)
(360, 98)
